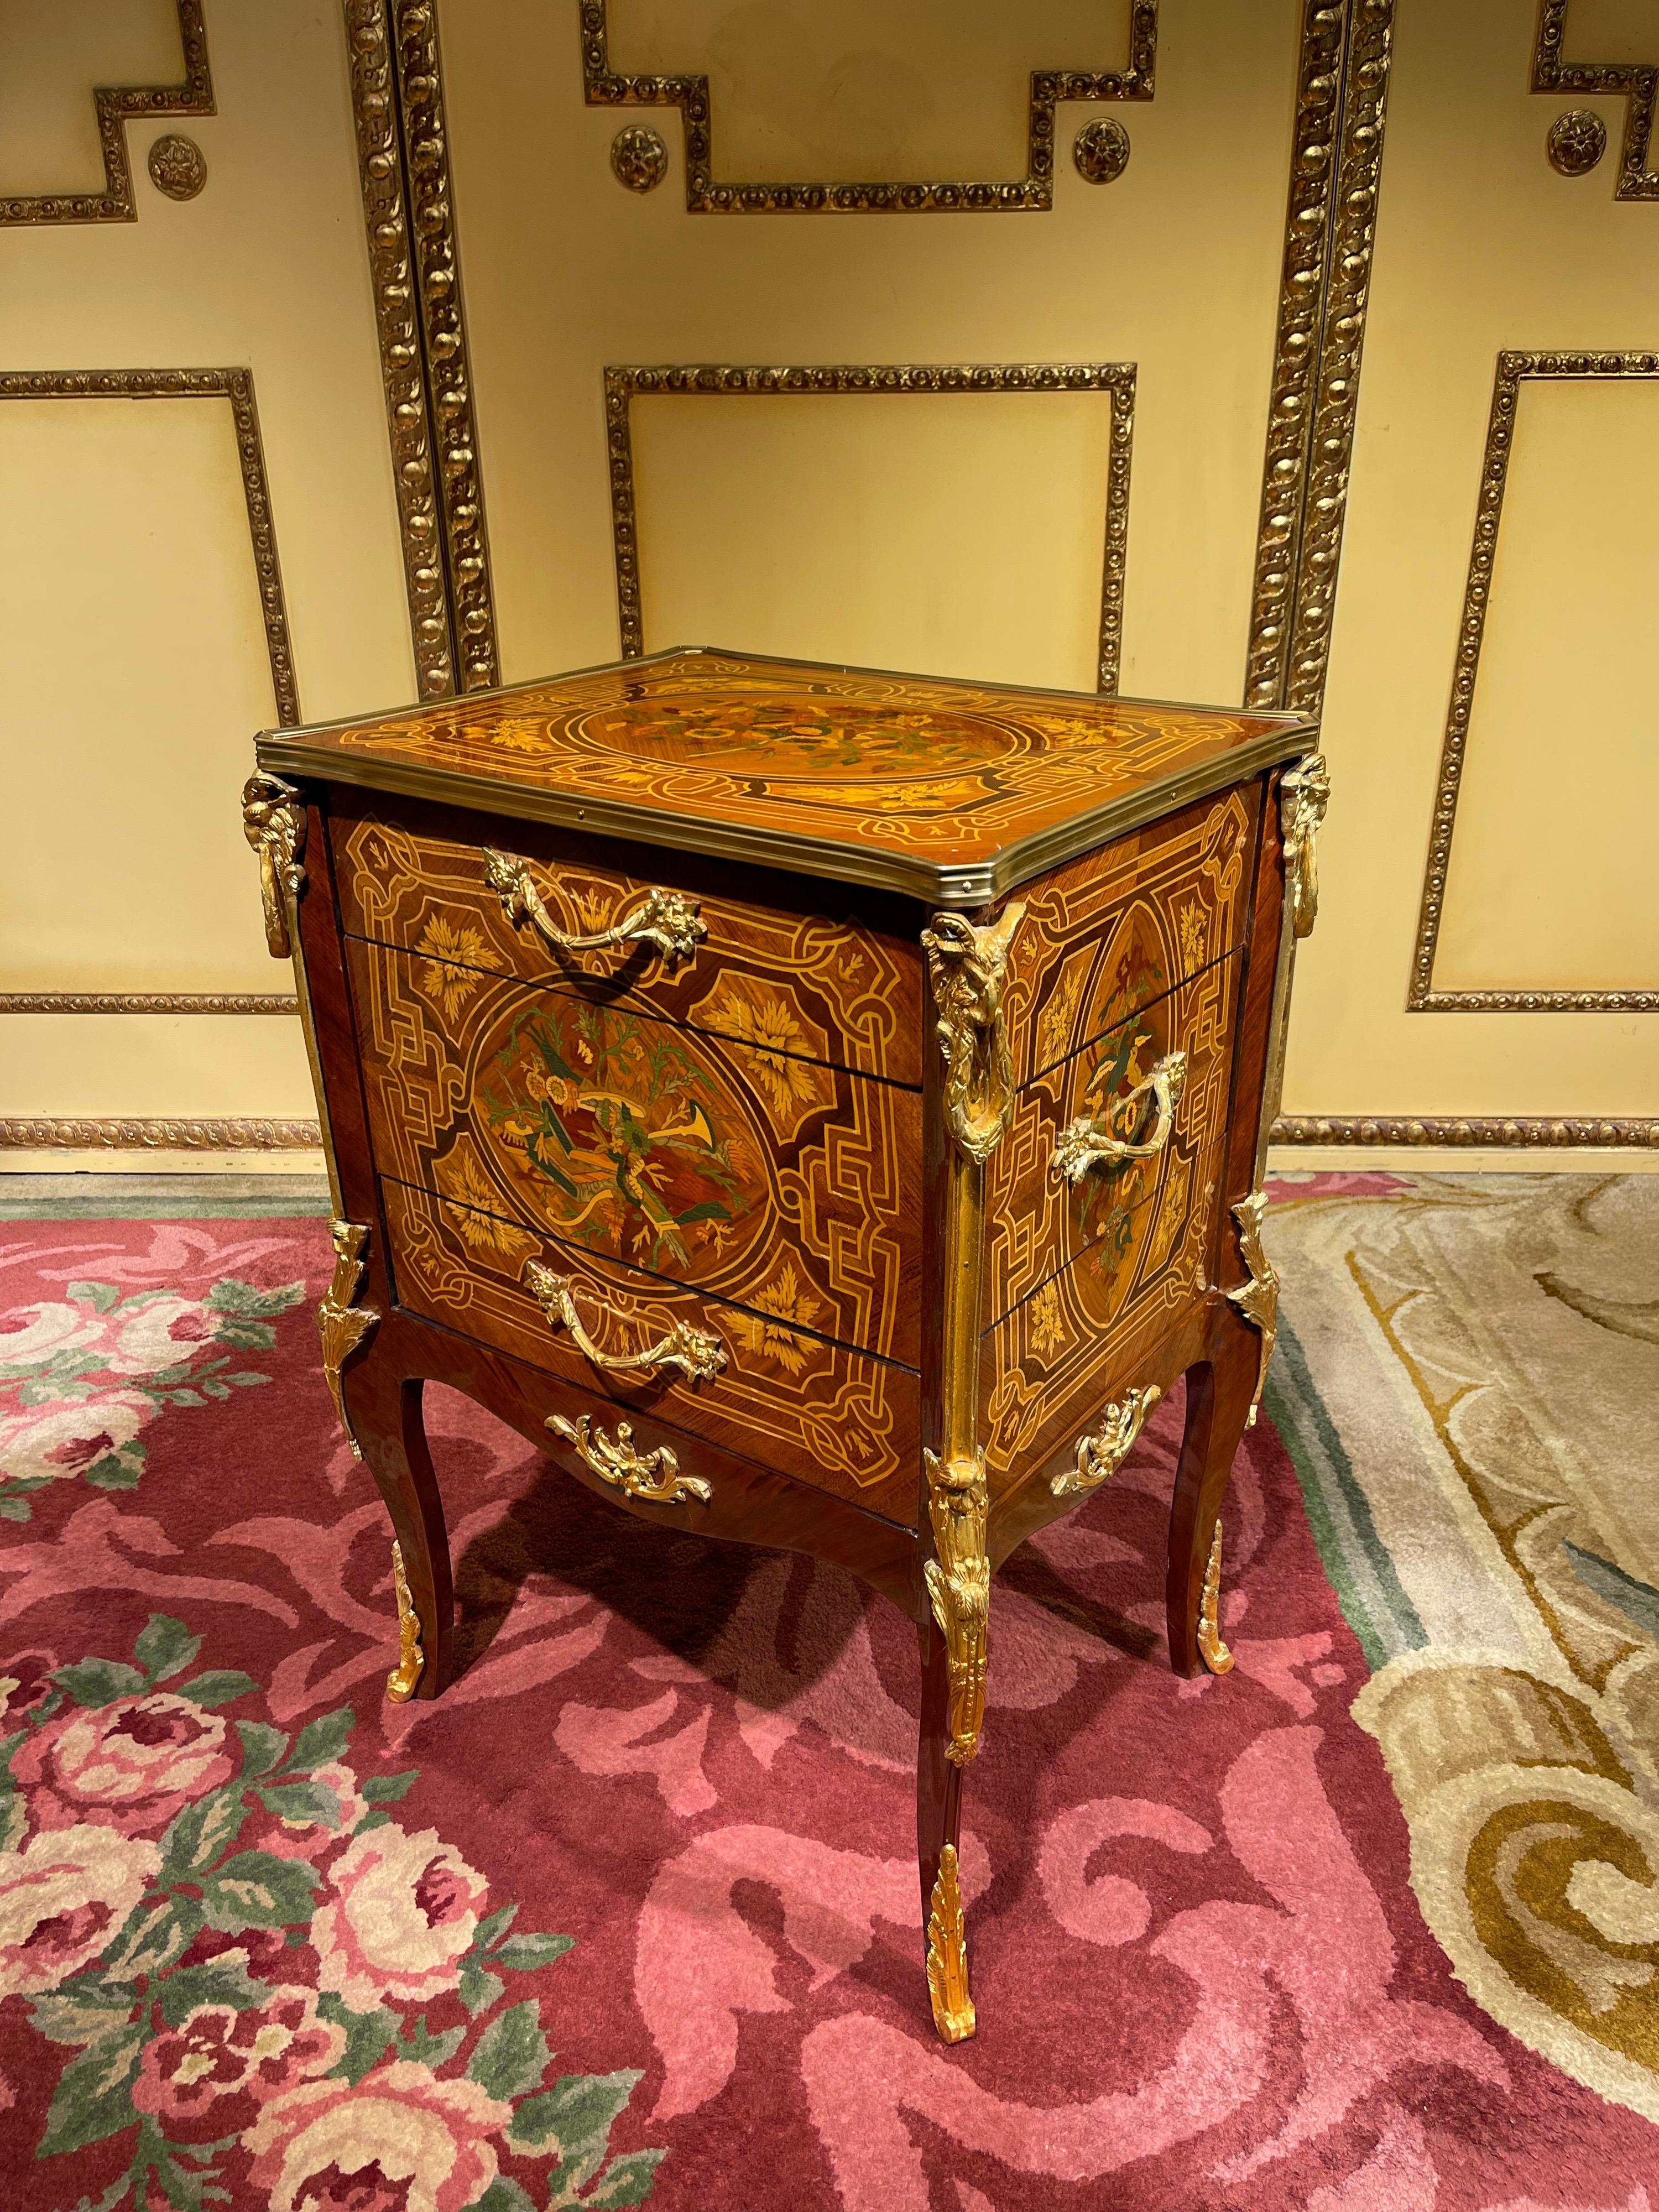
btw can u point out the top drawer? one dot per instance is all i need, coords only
(829, 986)
(1108, 933)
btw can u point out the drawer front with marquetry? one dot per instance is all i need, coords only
(826, 986)
(784, 1185)
(1122, 927)
(1045, 1367)
(1109, 1134)
(833, 1419)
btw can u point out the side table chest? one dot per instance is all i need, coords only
(818, 1107)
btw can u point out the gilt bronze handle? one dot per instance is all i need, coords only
(698, 1356)
(667, 921)
(654, 1476)
(1089, 1142)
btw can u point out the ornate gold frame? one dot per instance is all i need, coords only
(1513, 369)
(1329, 229)
(235, 385)
(117, 106)
(693, 380)
(402, 161)
(1638, 81)
(603, 87)
(1631, 1133)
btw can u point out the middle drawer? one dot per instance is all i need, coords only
(777, 1183)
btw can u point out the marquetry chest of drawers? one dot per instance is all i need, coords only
(820, 1107)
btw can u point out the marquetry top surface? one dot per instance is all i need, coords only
(952, 791)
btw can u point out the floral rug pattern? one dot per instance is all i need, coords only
(631, 1913)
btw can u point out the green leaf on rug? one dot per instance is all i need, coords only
(199, 1832)
(523, 1954)
(493, 1926)
(478, 1989)
(575, 2118)
(218, 1686)
(14, 1507)
(154, 1934)
(512, 2055)
(92, 2099)
(222, 1981)
(503, 2195)
(261, 1746)
(367, 2035)
(628, 2179)
(165, 1646)
(118, 1470)
(320, 1742)
(387, 1789)
(80, 2011)
(248, 1300)
(100, 1297)
(304, 1801)
(427, 2050)
(100, 1681)
(255, 1889)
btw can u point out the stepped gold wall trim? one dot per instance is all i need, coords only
(117, 106)
(1638, 81)
(694, 380)
(1536, 1131)
(160, 1136)
(1342, 81)
(402, 157)
(603, 87)
(1513, 368)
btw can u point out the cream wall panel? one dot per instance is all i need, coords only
(868, 90)
(1175, 267)
(1565, 679)
(160, 1066)
(126, 868)
(52, 55)
(979, 521)
(1480, 246)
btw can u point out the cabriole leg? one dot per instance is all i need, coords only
(386, 1421)
(1219, 1394)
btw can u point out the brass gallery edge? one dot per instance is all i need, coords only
(117, 106)
(695, 379)
(1638, 81)
(1514, 370)
(705, 194)
(402, 158)
(236, 386)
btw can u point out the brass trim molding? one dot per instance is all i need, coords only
(184, 1136)
(1637, 82)
(235, 385)
(603, 87)
(692, 379)
(402, 158)
(1514, 368)
(1329, 229)
(149, 1002)
(1631, 1132)
(117, 106)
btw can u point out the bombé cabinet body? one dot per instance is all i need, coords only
(818, 1107)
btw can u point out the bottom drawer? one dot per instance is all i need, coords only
(809, 1409)
(1044, 1367)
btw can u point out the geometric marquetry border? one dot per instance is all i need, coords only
(603, 87)
(1638, 83)
(236, 386)
(702, 379)
(1513, 369)
(117, 105)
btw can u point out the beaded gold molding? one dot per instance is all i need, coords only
(182, 1136)
(117, 106)
(1631, 1132)
(696, 380)
(1514, 368)
(1637, 82)
(705, 194)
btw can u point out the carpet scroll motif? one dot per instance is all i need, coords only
(630, 1915)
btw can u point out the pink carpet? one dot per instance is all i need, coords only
(631, 1914)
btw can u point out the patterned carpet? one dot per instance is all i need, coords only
(631, 1915)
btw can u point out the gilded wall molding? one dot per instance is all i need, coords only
(117, 106)
(1514, 368)
(403, 159)
(149, 1002)
(1637, 83)
(1547, 1132)
(692, 379)
(1325, 280)
(705, 194)
(235, 385)
(186, 1136)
